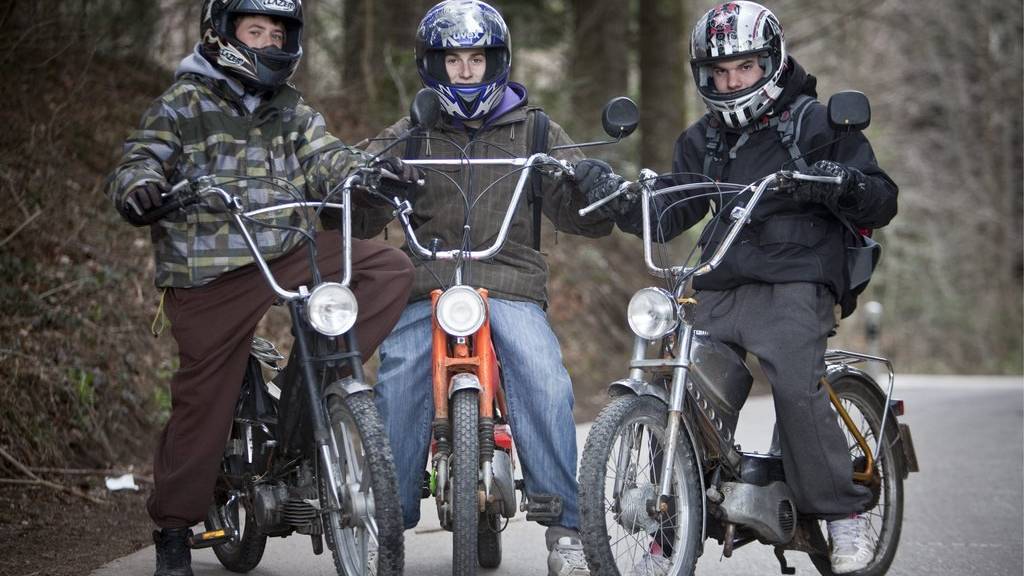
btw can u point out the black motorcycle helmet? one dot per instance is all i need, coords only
(262, 69)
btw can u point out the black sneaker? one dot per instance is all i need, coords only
(173, 557)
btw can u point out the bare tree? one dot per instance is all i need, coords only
(663, 79)
(599, 65)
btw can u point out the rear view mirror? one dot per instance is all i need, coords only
(849, 110)
(620, 117)
(425, 110)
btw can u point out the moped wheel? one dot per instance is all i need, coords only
(232, 506)
(886, 516)
(626, 445)
(465, 414)
(364, 532)
(489, 542)
(244, 552)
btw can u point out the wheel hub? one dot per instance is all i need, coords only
(633, 516)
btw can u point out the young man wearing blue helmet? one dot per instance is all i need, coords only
(463, 54)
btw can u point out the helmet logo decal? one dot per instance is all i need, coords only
(455, 27)
(285, 5)
(230, 57)
(722, 26)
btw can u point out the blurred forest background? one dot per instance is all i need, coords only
(83, 382)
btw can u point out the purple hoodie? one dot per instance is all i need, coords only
(514, 97)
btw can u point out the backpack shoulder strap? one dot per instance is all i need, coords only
(789, 126)
(713, 150)
(538, 143)
(414, 145)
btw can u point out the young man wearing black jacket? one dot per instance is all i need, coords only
(775, 293)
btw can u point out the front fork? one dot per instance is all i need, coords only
(307, 358)
(675, 417)
(459, 363)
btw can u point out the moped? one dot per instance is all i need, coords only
(473, 476)
(307, 453)
(661, 471)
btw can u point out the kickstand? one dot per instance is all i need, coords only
(783, 566)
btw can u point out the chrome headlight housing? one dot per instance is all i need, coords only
(652, 313)
(461, 311)
(332, 309)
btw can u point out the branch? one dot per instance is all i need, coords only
(21, 227)
(39, 481)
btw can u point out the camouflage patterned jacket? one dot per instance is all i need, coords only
(201, 126)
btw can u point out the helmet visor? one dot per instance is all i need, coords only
(705, 69)
(292, 29)
(497, 64)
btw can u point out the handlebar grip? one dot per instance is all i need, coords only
(176, 203)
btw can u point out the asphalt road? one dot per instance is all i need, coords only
(964, 511)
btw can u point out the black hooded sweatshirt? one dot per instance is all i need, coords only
(786, 241)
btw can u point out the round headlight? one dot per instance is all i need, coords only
(652, 313)
(461, 311)
(332, 309)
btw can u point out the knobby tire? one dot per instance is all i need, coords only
(886, 517)
(610, 547)
(465, 414)
(356, 416)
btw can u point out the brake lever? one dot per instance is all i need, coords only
(623, 188)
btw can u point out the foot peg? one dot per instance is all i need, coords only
(211, 538)
(542, 508)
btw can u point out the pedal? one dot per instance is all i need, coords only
(211, 538)
(544, 508)
(427, 488)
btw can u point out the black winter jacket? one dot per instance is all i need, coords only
(786, 241)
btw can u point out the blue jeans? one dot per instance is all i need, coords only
(537, 388)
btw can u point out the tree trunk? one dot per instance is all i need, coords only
(663, 80)
(599, 61)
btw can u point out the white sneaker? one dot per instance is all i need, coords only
(652, 564)
(566, 558)
(852, 545)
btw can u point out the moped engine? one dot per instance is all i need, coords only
(767, 510)
(281, 508)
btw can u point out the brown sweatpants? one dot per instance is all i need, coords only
(213, 326)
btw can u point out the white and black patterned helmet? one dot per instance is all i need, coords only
(258, 69)
(734, 30)
(461, 24)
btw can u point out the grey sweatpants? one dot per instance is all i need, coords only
(786, 327)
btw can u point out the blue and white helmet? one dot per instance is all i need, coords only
(462, 24)
(734, 30)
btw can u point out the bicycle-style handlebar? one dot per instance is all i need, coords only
(189, 192)
(740, 214)
(404, 208)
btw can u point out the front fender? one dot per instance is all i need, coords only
(638, 388)
(463, 381)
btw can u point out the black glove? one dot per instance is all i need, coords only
(141, 200)
(399, 178)
(595, 180)
(828, 193)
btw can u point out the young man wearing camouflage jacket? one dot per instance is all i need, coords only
(232, 115)
(463, 54)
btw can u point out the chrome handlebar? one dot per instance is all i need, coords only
(404, 208)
